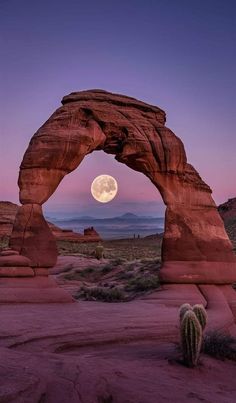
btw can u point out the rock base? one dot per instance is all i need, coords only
(39, 289)
(198, 272)
(16, 271)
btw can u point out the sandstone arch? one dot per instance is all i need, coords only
(196, 248)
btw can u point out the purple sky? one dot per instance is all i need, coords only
(179, 55)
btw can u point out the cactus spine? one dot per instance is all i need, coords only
(184, 308)
(191, 338)
(201, 314)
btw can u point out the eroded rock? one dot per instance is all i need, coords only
(32, 237)
(135, 132)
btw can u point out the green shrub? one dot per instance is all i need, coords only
(107, 268)
(72, 276)
(219, 345)
(103, 294)
(77, 275)
(87, 271)
(143, 283)
(118, 261)
(124, 275)
(4, 242)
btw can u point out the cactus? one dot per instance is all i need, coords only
(183, 309)
(99, 251)
(201, 314)
(191, 338)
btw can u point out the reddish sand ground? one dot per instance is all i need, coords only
(94, 352)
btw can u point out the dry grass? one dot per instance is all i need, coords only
(103, 294)
(128, 249)
(139, 284)
(4, 242)
(117, 279)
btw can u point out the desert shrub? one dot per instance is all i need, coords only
(143, 283)
(4, 242)
(107, 268)
(191, 338)
(76, 275)
(112, 264)
(124, 275)
(118, 261)
(87, 271)
(103, 294)
(220, 345)
(72, 276)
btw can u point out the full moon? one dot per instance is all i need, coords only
(104, 188)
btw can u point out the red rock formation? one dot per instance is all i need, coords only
(135, 132)
(7, 216)
(71, 236)
(32, 237)
(91, 234)
(227, 210)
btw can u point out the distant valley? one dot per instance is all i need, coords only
(124, 226)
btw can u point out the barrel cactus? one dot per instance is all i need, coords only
(184, 308)
(191, 338)
(99, 251)
(201, 314)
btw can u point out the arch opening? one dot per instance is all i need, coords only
(73, 200)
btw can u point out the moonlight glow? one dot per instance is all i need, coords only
(104, 188)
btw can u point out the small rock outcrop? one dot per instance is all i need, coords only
(227, 211)
(91, 233)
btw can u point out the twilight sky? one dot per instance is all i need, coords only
(179, 55)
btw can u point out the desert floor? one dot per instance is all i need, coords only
(91, 351)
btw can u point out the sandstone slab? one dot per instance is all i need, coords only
(95, 352)
(19, 271)
(14, 260)
(198, 272)
(39, 289)
(9, 252)
(40, 271)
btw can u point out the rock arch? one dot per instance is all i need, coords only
(196, 248)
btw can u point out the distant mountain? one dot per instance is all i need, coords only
(124, 226)
(128, 215)
(125, 217)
